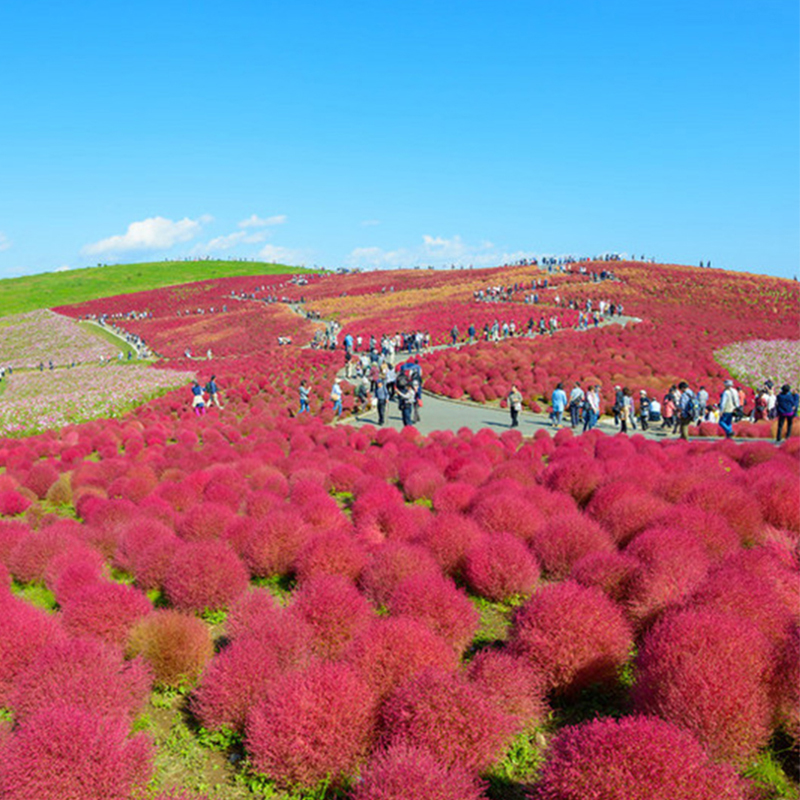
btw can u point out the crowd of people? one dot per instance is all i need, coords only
(680, 407)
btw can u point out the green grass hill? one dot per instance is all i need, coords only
(50, 289)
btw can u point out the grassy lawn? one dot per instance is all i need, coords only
(51, 289)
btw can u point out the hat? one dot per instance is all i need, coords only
(642, 391)
(729, 383)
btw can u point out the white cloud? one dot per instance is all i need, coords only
(255, 221)
(5, 243)
(154, 233)
(370, 223)
(436, 251)
(281, 255)
(227, 242)
(65, 268)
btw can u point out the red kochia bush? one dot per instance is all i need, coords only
(510, 683)
(624, 509)
(235, 680)
(31, 556)
(441, 712)
(334, 610)
(672, 563)
(456, 496)
(709, 673)
(83, 673)
(332, 553)
(577, 475)
(64, 753)
(574, 635)
(634, 758)
(437, 603)
(315, 724)
(146, 548)
(23, 634)
(12, 503)
(609, 572)
(269, 545)
(712, 529)
(402, 771)
(205, 521)
(735, 590)
(249, 611)
(500, 566)
(105, 610)
(205, 575)
(508, 512)
(392, 649)
(565, 538)
(448, 536)
(177, 646)
(393, 562)
(787, 685)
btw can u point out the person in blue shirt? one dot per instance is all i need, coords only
(304, 393)
(559, 403)
(786, 403)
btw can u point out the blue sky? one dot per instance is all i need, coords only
(380, 134)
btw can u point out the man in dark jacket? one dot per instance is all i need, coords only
(786, 407)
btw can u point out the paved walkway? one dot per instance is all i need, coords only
(439, 413)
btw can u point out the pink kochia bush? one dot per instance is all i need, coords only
(105, 610)
(314, 724)
(395, 648)
(393, 562)
(439, 711)
(402, 771)
(634, 758)
(574, 635)
(500, 566)
(240, 676)
(24, 633)
(511, 684)
(205, 575)
(436, 602)
(83, 673)
(66, 753)
(334, 610)
(566, 538)
(709, 672)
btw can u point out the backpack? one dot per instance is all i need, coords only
(690, 408)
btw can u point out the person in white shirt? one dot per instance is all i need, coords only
(728, 403)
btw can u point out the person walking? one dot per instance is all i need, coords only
(644, 409)
(577, 398)
(405, 398)
(786, 403)
(626, 411)
(336, 397)
(514, 404)
(728, 404)
(618, 404)
(559, 403)
(381, 395)
(592, 411)
(304, 395)
(198, 399)
(687, 409)
(213, 392)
